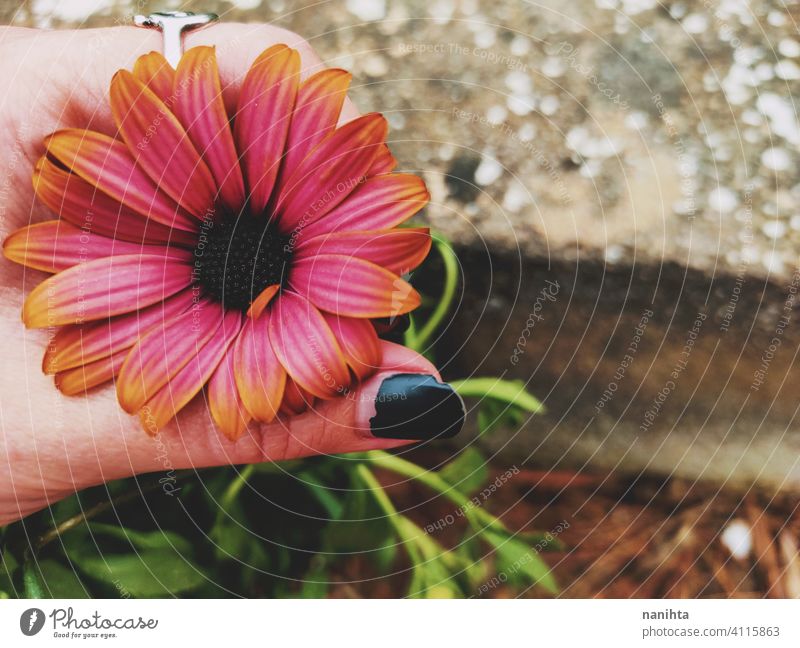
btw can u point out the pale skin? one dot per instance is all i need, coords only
(52, 445)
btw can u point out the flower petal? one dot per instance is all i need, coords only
(80, 344)
(160, 354)
(262, 301)
(154, 71)
(160, 144)
(88, 208)
(184, 385)
(381, 202)
(260, 377)
(352, 287)
(105, 287)
(328, 175)
(106, 163)
(384, 162)
(296, 400)
(306, 346)
(224, 403)
(359, 343)
(397, 250)
(201, 109)
(54, 245)
(81, 379)
(266, 101)
(319, 102)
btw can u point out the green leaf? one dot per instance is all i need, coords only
(50, 579)
(8, 566)
(329, 498)
(144, 539)
(519, 563)
(512, 392)
(467, 472)
(494, 414)
(31, 582)
(233, 540)
(470, 552)
(436, 569)
(363, 525)
(316, 580)
(151, 573)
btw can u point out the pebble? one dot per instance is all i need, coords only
(633, 7)
(496, 114)
(695, 23)
(614, 253)
(549, 105)
(375, 65)
(553, 67)
(485, 38)
(442, 11)
(636, 120)
(738, 539)
(488, 171)
(397, 120)
(367, 10)
(677, 10)
(781, 116)
(526, 132)
(516, 198)
(774, 229)
(787, 70)
(520, 46)
(521, 105)
(776, 159)
(579, 140)
(764, 72)
(722, 199)
(518, 82)
(776, 18)
(789, 47)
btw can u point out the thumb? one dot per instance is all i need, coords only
(403, 402)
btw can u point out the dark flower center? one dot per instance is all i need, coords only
(236, 258)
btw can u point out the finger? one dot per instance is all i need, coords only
(403, 402)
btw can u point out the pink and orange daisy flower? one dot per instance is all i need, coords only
(249, 253)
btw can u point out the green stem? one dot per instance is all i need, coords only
(477, 517)
(383, 501)
(419, 340)
(233, 489)
(88, 514)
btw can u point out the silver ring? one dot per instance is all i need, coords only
(172, 24)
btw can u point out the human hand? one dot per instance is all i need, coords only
(53, 445)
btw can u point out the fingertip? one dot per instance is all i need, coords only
(400, 359)
(413, 407)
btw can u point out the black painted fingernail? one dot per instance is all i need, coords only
(416, 407)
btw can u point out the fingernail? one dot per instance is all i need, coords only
(416, 407)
